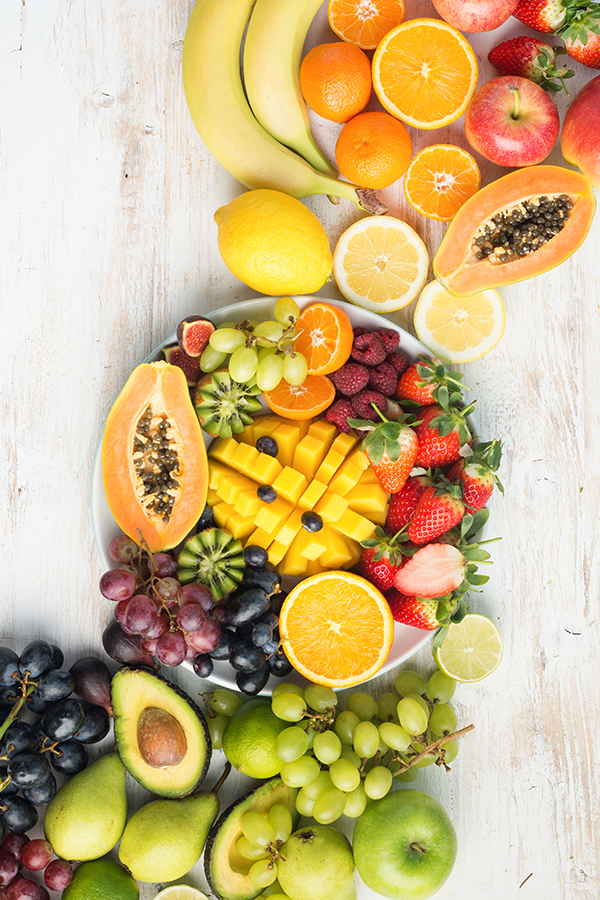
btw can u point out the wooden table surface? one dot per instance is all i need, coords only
(108, 241)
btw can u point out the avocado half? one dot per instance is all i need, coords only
(226, 870)
(162, 737)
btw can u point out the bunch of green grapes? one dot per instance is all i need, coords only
(339, 760)
(220, 706)
(259, 353)
(261, 840)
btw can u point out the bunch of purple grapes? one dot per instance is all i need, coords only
(18, 852)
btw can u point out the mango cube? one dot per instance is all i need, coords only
(290, 484)
(272, 515)
(355, 526)
(231, 485)
(287, 437)
(266, 469)
(290, 528)
(240, 526)
(369, 500)
(337, 553)
(248, 503)
(309, 454)
(345, 479)
(331, 506)
(323, 430)
(313, 492)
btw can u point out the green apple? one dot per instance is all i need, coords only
(404, 845)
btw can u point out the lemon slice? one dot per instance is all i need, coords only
(380, 264)
(180, 892)
(459, 329)
(471, 650)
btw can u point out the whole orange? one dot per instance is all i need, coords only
(335, 80)
(373, 149)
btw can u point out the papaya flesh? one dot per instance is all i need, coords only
(523, 193)
(154, 461)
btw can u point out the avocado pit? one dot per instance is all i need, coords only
(161, 739)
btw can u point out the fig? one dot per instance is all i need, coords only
(92, 681)
(126, 648)
(175, 356)
(580, 138)
(193, 335)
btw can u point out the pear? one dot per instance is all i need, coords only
(87, 816)
(317, 862)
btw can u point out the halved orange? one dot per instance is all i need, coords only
(337, 628)
(310, 398)
(364, 22)
(425, 73)
(440, 179)
(325, 337)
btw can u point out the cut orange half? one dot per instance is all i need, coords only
(310, 398)
(364, 22)
(325, 337)
(337, 628)
(440, 179)
(425, 73)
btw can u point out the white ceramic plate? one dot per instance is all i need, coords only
(407, 640)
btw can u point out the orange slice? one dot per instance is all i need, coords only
(310, 398)
(425, 73)
(337, 628)
(325, 338)
(440, 179)
(364, 22)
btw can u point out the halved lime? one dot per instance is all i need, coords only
(471, 650)
(180, 892)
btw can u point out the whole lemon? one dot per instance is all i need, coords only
(249, 739)
(273, 243)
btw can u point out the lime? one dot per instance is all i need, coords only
(101, 879)
(249, 739)
(180, 892)
(471, 650)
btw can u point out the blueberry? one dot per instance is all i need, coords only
(268, 445)
(266, 493)
(311, 521)
(255, 556)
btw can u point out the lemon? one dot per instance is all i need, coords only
(459, 329)
(101, 879)
(471, 650)
(249, 739)
(273, 243)
(380, 264)
(180, 892)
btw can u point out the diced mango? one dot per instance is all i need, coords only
(221, 513)
(276, 552)
(331, 506)
(216, 470)
(244, 458)
(369, 500)
(290, 528)
(369, 477)
(337, 553)
(266, 469)
(345, 479)
(309, 454)
(287, 437)
(247, 435)
(222, 450)
(360, 459)
(312, 543)
(240, 526)
(290, 484)
(323, 430)
(248, 503)
(329, 466)
(355, 526)
(271, 516)
(231, 485)
(260, 538)
(312, 494)
(344, 443)
(265, 425)
(212, 497)
(294, 563)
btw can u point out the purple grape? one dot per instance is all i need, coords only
(58, 875)
(24, 889)
(36, 855)
(207, 638)
(141, 615)
(12, 844)
(117, 584)
(161, 625)
(167, 589)
(9, 868)
(163, 565)
(191, 617)
(122, 549)
(195, 593)
(171, 648)
(219, 613)
(149, 645)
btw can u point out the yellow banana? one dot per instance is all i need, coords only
(272, 54)
(220, 111)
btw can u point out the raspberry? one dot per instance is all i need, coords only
(339, 414)
(399, 361)
(368, 349)
(389, 338)
(361, 404)
(358, 331)
(351, 378)
(383, 378)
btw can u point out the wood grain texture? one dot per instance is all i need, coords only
(108, 241)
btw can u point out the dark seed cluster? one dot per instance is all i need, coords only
(515, 233)
(156, 464)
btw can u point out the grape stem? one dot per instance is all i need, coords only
(428, 749)
(27, 688)
(221, 780)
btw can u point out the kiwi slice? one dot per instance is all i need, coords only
(213, 558)
(224, 406)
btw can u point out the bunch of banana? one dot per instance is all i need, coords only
(215, 95)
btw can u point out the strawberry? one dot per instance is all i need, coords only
(380, 559)
(391, 448)
(546, 16)
(439, 508)
(418, 612)
(582, 38)
(427, 382)
(477, 474)
(402, 504)
(531, 58)
(441, 432)
(437, 569)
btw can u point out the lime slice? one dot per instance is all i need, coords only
(471, 650)
(180, 892)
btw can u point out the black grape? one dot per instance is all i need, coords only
(9, 667)
(20, 737)
(17, 814)
(42, 794)
(63, 719)
(69, 757)
(28, 770)
(95, 726)
(55, 685)
(36, 658)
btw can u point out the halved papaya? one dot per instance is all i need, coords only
(154, 461)
(519, 226)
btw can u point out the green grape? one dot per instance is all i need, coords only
(300, 772)
(363, 705)
(289, 707)
(269, 372)
(243, 364)
(310, 733)
(295, 369)
(351, 756)
(409, 775)
(442, 720)
(216, 727)
(320, 785)
(411, 716)
(228, 324)
(378, 782)
(329, 807)
(268, 333)
(286, 311)
(327, 747)
(386, 707)
(422, 703)
(450, 749)
(226, 340)
(280, 818)
(276, 896)
(441, 687)
(287, 687)
(262, 873)
(344, 775)
(428, 759)
(345, 723)
(409, 682)
(211, 359)
(304, 804)
(256, 828)
(225, 702)
(366, 739)
(250, 850)
(320, 698)
(395, 736)
(356, 802)
(291, 744)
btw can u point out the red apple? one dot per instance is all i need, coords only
(580, 138)
(475, 15)
(512, 122)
